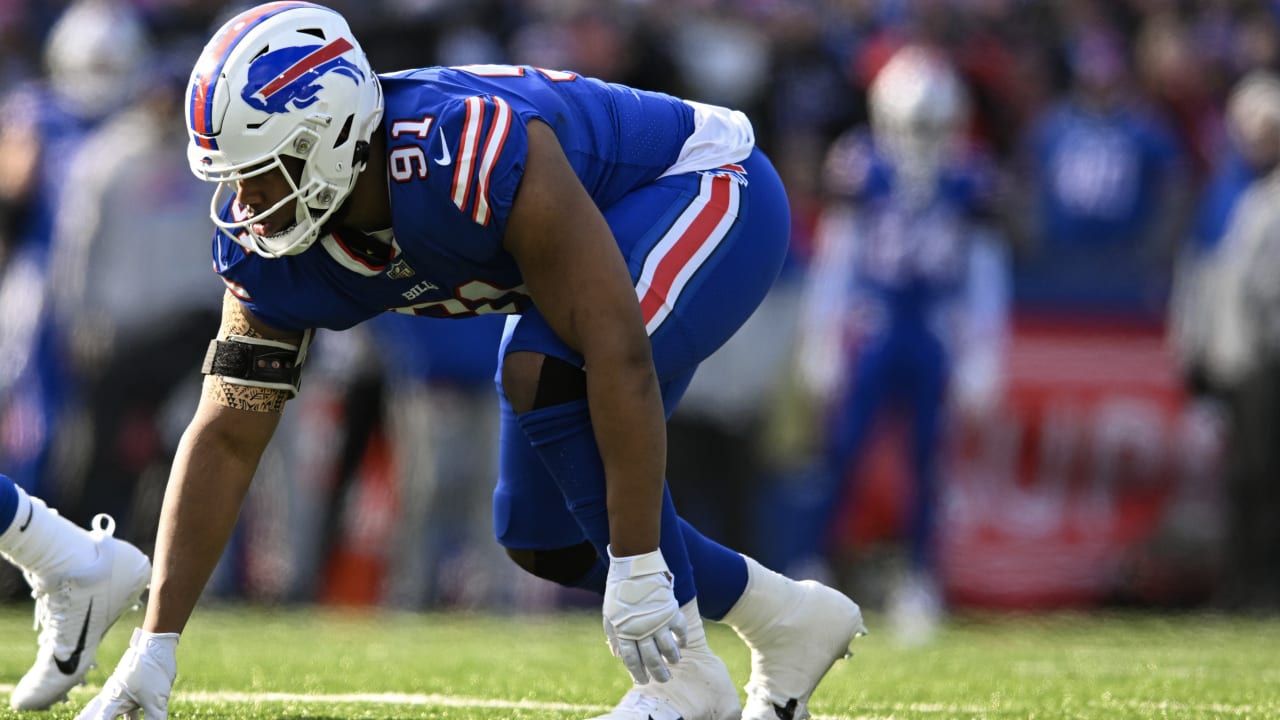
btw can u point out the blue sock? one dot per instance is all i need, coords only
(8, 502)
(565, 442)
(721, 573)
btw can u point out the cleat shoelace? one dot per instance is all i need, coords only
(52, 608)
(53, 600)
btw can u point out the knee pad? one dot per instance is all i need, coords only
(566, 566)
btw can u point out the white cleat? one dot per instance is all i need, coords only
(699, 689)
(791, 655)
(74, 611)
(915, 612)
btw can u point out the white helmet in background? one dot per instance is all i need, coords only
(96, 53)
(918, 109)
(1253, 117)
(284, 79)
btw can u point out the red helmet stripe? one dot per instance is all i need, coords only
(200, 111)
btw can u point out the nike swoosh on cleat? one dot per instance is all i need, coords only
(788, 712)
(31, 512)
(68, 666)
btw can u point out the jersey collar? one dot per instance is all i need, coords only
(348, 248)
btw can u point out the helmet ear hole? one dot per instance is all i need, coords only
(345, 133)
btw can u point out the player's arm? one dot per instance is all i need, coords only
(19, 154)
(20, 148)
(215, 462)
(579, 281)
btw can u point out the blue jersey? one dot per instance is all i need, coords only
(434, 351)
(1100, 174)
(456, 142)
(910, 255)
(34, 382)
(1232, 176)
(699, 215)
(59, 132)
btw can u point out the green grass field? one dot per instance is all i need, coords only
(325, 665)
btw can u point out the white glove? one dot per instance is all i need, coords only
(641, 617)
(142, 681)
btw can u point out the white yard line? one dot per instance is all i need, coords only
(870, 712)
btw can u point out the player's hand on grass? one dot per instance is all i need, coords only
(141, 683)
(641, 617)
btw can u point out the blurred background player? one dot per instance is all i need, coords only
(1227, 332)
(416, 443)
(906, 303)
(82, 581)
(93, 56)
(133, 356)
(1107, 184)
(442, 425)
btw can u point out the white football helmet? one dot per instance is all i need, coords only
(284, 79)
(1253, 117)
(918, 108)
(96, 55)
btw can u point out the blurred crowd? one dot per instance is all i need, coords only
(1118, 162)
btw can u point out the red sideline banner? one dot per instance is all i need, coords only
(1088, 484)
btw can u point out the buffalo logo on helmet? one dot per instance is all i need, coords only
(291, 78)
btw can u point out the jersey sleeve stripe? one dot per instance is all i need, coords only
(467, 153)
(493, 144)
(692, 239)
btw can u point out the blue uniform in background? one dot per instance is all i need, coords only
(893, 272)
(703, 227)
(1218, 199)
(434, 351)
(33, 377)
(1101, 190)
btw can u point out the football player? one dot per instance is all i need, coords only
(906, 274)
(626, 233)
(93, 57)
(82, 582)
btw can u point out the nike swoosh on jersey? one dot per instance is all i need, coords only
(445, 157)
(68, 666)
(31, 512)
